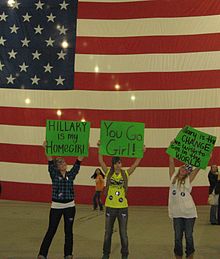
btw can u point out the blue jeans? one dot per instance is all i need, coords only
(213, 214)
(122, 216)
(183, 225)
(97, 197)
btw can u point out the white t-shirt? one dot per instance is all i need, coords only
(181, 204)
(59, 205)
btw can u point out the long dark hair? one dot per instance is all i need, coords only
(124, 176)
(95, 174)
(211, 168)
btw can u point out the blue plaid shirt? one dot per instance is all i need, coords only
(63, 190)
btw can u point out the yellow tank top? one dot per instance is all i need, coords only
(116, 193)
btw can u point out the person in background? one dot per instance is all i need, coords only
(116, 202)
(100, 183)
(213, 179)
(62, 203)
(182, 209)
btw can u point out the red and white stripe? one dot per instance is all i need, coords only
(165, 53)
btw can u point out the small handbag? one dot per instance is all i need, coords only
(213, 199)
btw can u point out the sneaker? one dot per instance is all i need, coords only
(105, 257)
(124, 257)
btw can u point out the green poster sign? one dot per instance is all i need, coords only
(192, 147)
(125, 139)
(67, 138)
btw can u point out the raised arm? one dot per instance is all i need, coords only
(171, 166)
(49, 158)
(51, 165)
(135, 164)
(80, 158)
(193, 174)
(102, 164)
(75, 169)
(101, 161)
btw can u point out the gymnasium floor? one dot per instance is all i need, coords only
(23, 225)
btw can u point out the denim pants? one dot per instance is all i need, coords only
(54, 219)
(97, 197)
(122, 216)
(183, 225)
(213, 214)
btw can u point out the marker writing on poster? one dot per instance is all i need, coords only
(122, 138)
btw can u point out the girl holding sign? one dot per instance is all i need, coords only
(62, 203)
(116, 202)
(181, 207)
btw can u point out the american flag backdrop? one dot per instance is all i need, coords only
(156, 62)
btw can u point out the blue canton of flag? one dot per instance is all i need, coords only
(37, 44)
